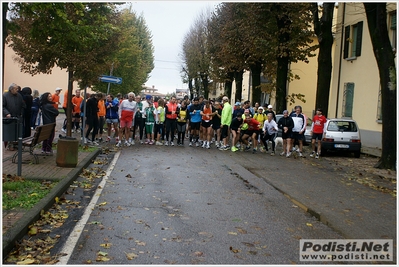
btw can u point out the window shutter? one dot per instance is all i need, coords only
(346, 44)
(359, 38)
(348, 98)
(393, 21)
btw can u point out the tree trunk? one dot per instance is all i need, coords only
(69, 104)
(190, 87)
(377, 23)
(256, 70)
(228, 84)
(281, 84)
(238, 78)
(283, 56)
(205, 83)
(197, 86)
(323, 30)
(5, 33)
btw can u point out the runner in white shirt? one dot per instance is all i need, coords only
(270, 130)
(127, 108)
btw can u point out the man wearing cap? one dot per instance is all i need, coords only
(227, 116)
(237, 109)
(270, 110)
(56, 97)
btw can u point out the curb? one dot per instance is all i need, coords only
(20, 228)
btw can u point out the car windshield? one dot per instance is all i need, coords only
(342, 126)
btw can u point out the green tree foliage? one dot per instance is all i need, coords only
(263, 38)
(225, 42)
(78, 37)
(134, 60)
(293, 43)
(195, 53)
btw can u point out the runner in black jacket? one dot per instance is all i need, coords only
(286, 124)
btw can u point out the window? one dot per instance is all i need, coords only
(342, 126)
(347, 105)
(353, 40)
(392, 29)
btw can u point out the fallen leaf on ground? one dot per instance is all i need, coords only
(102, 258)
(248, 244)
(33, 231)
(25, 262)
(309, 224)
(198, 253)
(234, 250)
(102, 204)
(101, 253)
(140, 243)
(241, 231)
(106, 245)
(131, 256)
(233, 233)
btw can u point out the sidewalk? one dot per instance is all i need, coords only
(15, 223)
(372, 151)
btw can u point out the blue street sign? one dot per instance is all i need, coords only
(110, 79)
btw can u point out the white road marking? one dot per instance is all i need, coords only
(77, 231)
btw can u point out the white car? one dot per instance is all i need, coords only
(342, 135)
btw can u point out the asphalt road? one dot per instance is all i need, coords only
(174, 205)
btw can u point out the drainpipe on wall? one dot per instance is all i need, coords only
(249, 86)
(287, 88)
(340, 58)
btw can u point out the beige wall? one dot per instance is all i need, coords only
(245, 88)
(42, 82)
(362, 71)
(306, 85)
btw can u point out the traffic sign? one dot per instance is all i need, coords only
(110, 79)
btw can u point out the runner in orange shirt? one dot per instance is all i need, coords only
(101, 116)
(56, 97)
(206, 123)
(76, 102)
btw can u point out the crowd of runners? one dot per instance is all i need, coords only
(197, 123)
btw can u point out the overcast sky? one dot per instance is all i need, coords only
(168, 22)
